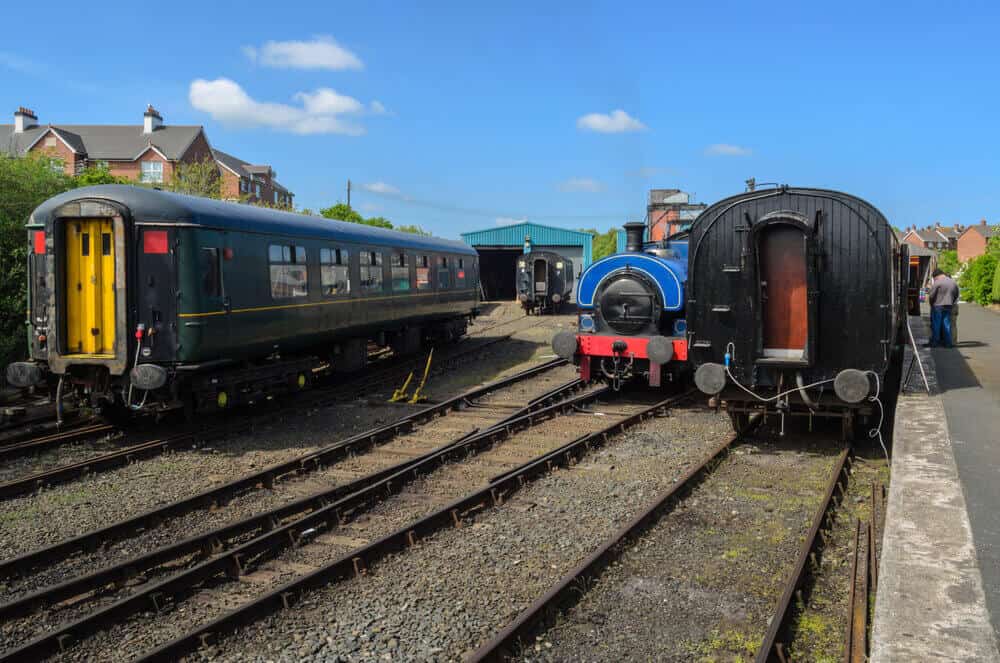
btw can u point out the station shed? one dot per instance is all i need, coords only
(499, 248)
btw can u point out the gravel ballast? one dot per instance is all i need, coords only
(451, 592)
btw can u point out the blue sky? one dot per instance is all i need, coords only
(459, 116)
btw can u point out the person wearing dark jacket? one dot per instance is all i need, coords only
(942, 296)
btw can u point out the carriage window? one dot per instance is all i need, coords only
(334, 271)
(289, 277)
(105, 244)
(400, 273)
(423, 273)
(85, 244)
(444, 276)
(211, 272)
(371, 271)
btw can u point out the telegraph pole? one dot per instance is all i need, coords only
(348, 193)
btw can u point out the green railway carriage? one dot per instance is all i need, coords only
(155, 300)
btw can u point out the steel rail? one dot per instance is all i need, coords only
(265, 477)
(111, 460)
(775, 640)
(570, 587)
(234, 562)
(356, 562)
(215, 541)
(43, 442)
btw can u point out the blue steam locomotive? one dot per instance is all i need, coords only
(631, 314)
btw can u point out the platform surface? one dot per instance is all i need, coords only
(931, 603)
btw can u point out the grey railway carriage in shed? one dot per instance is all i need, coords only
(150, 300)
(544, 280)
(796, 304)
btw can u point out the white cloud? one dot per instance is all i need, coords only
(580, 184)
(616, 122)
(320, 53)
(381, 188)
(228, 103)
(510, 220)
(727, 150)
(325, 101)
(378, 108)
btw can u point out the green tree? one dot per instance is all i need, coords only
(98, 174)
(378, 222)
(25, 183)
(198, 178)
(948, 262)
(414, 229)
(604, 244)
(977, 280)
(342, 212)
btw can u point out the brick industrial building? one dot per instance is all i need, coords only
(147, 152)
(670, 211)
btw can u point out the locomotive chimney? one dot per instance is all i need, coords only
(633, 236)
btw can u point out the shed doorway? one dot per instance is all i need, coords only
(781, 255)
(497, 272)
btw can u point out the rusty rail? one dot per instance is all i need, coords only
(266, 477)
(111, 460)
(775, 640)
(571, 587)
(357, 562)
(41, 443)
(276, 536)
(217, 540)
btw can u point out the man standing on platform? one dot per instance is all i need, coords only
(942, 296)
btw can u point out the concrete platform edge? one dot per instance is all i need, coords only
(930, 603)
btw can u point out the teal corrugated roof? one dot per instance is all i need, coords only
(513, 235)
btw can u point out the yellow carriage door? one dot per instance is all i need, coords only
(90, 287)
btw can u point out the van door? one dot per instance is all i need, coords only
(89, 256)
(783, 292)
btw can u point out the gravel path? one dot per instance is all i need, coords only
(702, 583)
(451, 592)
(434, 434)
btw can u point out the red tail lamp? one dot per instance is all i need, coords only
(39, 241)
(154, 241)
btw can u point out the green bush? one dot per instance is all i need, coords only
(24, 185)
(977, 282)
(948, 262)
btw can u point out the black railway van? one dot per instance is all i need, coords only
(796, 303)
(138, 297)
(544, 280)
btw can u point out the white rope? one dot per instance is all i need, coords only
(730, 350)
(877, 431)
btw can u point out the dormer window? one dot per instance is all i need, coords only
(152, 172)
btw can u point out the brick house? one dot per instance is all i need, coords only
(972, 242)
(147, 152)
(255, 183)
(931, 237)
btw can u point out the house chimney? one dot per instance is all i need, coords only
(151, 120)
(982, 222)
(24, 119)
(633, 236)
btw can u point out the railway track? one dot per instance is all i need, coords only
(276, 529)
(456, 512)
(517, 639)
(33, 481)
(75, 433)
